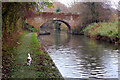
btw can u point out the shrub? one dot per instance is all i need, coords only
(102, 28)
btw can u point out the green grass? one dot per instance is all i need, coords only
(34, 41)
(23, 34)
(35, 44)
(33, 29)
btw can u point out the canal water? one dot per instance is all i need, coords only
(77, 56)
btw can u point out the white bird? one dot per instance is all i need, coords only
(29, 60)
(17, 42)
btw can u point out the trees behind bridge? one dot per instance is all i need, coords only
(93, 12)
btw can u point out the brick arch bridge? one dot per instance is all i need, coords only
(71, 20)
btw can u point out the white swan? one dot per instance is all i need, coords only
(29, 60)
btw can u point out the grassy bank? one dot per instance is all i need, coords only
(103, 31)
(41, 66)
(45, 65)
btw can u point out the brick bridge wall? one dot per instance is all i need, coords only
(41, 18)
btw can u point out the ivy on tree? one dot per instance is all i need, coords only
(58, 10)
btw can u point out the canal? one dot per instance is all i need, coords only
(77, 56)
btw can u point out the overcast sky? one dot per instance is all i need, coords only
(68, 2)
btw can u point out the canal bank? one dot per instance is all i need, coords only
(105, 31)
(41, 66)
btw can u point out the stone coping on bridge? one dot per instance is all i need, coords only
(60, 12)
(53, 13)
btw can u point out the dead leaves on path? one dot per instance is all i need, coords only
(46, 65)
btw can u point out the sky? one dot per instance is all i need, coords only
(68, 2)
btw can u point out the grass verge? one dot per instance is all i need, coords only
(41, 66)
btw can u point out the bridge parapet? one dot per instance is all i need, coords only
(69, 19)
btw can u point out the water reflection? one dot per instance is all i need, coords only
(61, 38)
(57, 37)
(81, 57)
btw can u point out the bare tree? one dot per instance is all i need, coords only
(57, 5)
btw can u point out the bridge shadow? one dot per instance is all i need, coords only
(69, 27)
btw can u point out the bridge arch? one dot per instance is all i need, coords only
(69, 27)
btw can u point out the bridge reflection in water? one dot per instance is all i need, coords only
(81, 57)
